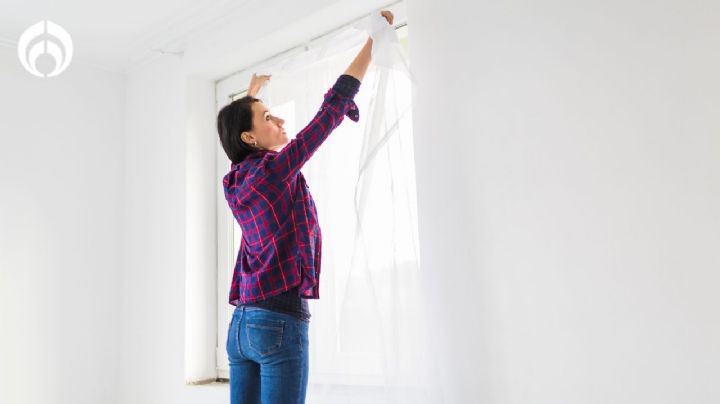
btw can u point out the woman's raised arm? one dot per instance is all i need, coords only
(360, 64)
(338, 103)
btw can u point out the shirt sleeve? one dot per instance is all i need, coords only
(338, 102)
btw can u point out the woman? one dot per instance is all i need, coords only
(278, 264)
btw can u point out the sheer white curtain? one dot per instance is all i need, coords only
(368, 331)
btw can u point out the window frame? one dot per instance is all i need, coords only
(227, 90)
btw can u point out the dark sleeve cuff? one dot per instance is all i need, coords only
(347, 86)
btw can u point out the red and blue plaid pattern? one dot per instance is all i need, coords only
(268, 196)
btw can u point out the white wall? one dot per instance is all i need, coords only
(567, 157)
(61, 148)
(568, 193)
(158, 249)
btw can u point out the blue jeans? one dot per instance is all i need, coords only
(268, 356)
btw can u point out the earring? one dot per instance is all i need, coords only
(255, 144)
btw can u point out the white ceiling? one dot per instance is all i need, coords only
(121, 35)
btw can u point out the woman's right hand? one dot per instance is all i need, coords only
(359, 65)
(388, 16)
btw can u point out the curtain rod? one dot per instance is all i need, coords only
(307, 43)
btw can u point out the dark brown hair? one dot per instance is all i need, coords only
(234, 119)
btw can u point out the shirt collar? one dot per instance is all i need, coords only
(261, 152)
(254, 154)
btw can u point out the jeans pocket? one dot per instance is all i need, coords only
(265, 335)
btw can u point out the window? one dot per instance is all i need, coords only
(345, 353)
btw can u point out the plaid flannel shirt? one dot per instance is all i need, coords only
(269, 197)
